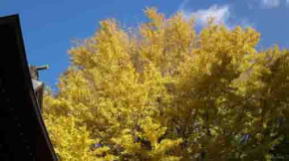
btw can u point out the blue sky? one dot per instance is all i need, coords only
(50, 26)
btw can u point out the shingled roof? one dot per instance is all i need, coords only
(23, 136)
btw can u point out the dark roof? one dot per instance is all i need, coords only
(23, 135)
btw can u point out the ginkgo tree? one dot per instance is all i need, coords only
(168, 93)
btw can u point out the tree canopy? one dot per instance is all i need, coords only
(165, 92)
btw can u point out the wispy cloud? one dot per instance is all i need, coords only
(182, 6)
(271, 3)
(219, 15)
(267, 4)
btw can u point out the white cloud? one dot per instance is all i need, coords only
(220, 15)
(271, 3)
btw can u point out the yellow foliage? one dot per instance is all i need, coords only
(168, 93)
